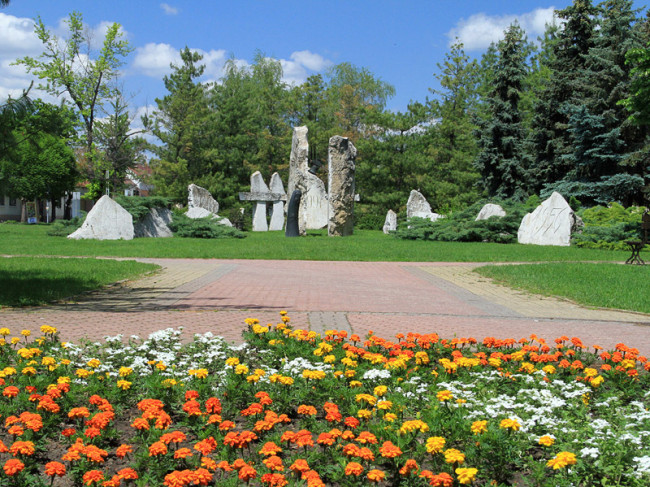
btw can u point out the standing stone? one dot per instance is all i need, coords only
(200, 204)
(107, 220)
(314, 207)
(277, 210)
(550, 224)
(154, 224)
(418, 206)
(390, 225)
(258, 185)
(341, 155)
(199, 197)
(489, 211)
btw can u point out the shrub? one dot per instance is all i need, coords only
(462, 227)
(609, 227)
(63, 228)
(207, 227)
(139, 206)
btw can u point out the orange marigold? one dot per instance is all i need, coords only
(54, 468)
(13, 466)
(353, 468)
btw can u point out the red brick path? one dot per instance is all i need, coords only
(217, 295)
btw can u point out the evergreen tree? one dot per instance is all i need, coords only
(550, 139)
(501, 136)
(451, 145)
(181, 123)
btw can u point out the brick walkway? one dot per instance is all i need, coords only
(217, 295)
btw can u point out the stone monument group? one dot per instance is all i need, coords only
(333, 207)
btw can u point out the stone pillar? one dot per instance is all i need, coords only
(314, 208)
(258, 185)
(341, 155)
(390, 224)
(277, 210)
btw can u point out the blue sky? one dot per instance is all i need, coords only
(398, 41)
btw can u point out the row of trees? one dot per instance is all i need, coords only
(569, 113)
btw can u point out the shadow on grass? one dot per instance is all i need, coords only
(34, 288)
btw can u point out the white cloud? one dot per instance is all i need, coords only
(154, 59)
(295, 71)
(480, 30)
(168, 9)
(17, 37)
(310, 60)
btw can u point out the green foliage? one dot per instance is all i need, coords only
(63, 228)
(207, 227)
(609, 227)
(462, 227)
(139, 206)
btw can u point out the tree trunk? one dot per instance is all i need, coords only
(67, 211)
(23, 210)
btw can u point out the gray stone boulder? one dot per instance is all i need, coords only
(341, 156)
(490, 210)
(551, 223)
(418, 206)
(390, 225)
(155, 224)
(107, 220)
(198, 197)
(200, 204)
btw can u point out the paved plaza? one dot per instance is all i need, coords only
(386, 297)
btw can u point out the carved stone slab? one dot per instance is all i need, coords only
(550, 224)
(341, 156)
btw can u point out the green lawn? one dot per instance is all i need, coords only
(29, 281)
(362, 246)
(601, 285)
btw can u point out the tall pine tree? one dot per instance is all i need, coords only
(501, 136)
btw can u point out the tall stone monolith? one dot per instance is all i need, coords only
(551, 223)
(107, 220)
(277, 210)
(260, 223)
(341, 156)
(314, 208)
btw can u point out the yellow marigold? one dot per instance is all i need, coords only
(355, 383)
(241, 369)
(286, 380)
(379, 391)
(232, 361)
(494, 362)
(313, 374)
(511, 424)
(590, 372)
(125, 371)
(29, 371)
(384, 405)
(48, 330)
(198, 373)
(546, 440)
(329, 359)
(368, 398)
(597, 381)
(260, 330)
(435, 444)
(421, 358)
(390, 417)
(25, 353)
(364, 414)
(26, 333)
(253, 379)
(479, 427)
(452, 455)
(414, 425)
(549, 369)
(444, 396)
(93, 363)
(466, 475)
(561, 460)
(83, 373)
(5, 331)
(123, 384)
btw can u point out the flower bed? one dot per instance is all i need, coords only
(291, 407)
